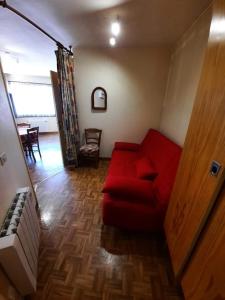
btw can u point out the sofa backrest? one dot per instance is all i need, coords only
(165, 156)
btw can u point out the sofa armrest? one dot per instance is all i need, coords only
(126, 146)
(132, 189)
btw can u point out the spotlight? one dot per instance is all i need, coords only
(115, 28)
(112, 41)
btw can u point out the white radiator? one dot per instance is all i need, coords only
(19, 242)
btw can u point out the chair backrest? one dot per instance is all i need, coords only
(25, 125)
(32, 135)
(93, 136)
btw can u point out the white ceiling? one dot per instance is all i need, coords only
(86, 23)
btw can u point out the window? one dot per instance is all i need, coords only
(32, 99)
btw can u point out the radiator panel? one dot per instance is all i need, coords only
(19, 242)
(15, 264)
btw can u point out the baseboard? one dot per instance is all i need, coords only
(50, 132)
(105, 158)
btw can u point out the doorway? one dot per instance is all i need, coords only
(33, 106)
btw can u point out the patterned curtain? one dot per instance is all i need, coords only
(65, 66)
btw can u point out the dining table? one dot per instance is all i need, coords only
(22, 132)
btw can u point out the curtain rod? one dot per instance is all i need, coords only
(5, 5)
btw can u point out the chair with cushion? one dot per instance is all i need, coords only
(90, 150)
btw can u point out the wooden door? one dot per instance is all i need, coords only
(195, 190)
(205, 275)
(58, 105)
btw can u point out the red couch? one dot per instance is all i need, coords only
(139, 182)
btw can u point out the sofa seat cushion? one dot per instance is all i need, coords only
(123, 163)
(145, 169)
(131, 189)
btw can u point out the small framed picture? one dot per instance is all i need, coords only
(99, 99)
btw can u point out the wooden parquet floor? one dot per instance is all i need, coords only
(81, 260)
(51, 161)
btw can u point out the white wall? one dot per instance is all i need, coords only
(46, 124)
(135, 81)
(13, 174)
(183, 79)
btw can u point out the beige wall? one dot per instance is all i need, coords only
(183, 79)
(12, 175)
(135, 82)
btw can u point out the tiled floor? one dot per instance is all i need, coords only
(82, 260)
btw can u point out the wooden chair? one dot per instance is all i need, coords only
(90, 151)
(33, 141)
(24, 137)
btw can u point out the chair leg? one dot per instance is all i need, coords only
(31, 152)
(25, 150)
(39, 150)
(96, 162)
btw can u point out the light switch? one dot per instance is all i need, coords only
(3, 158)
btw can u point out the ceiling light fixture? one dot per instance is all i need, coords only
(115, 28)
(112, 41)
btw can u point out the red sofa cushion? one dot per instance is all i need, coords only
(132, 189)
(160, 150)
(126, 146)
(145, 169)
(163, 183)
